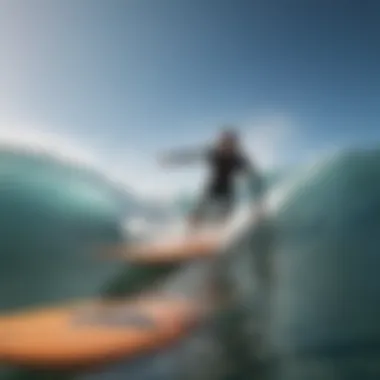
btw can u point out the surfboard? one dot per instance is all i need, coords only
(176, 249)
(91, 334)
(167, 250)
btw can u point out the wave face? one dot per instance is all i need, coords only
(325, 287)
(52, 216)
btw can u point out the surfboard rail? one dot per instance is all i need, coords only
(182, 248)
(166, 252)
(94, 333)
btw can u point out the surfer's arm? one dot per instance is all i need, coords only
(184, 157)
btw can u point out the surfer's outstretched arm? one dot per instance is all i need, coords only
(183, 157)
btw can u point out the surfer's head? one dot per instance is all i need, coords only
(228, 140)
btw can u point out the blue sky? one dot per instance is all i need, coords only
(122, 80)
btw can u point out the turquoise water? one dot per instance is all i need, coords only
(324, 304)
(51, 218)
(54, 221)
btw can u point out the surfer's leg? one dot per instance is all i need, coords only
(226, 207)
(198, 214)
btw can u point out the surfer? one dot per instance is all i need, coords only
(225, 159)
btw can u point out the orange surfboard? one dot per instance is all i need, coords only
(168, 251)
(94, 333)
(183, 247)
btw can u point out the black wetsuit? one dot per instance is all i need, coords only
(220, 188)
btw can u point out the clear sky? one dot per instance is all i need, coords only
(125, 79)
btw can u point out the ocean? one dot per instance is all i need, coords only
(305, 277)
